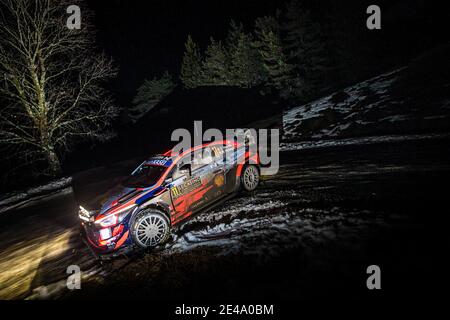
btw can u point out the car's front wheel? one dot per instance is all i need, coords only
(250, 178)
(150, 228)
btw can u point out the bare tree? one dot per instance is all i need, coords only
(51, 82)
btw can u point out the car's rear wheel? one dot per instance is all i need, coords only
(250, 178)
(150, 228)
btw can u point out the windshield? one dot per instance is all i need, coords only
(144, 177)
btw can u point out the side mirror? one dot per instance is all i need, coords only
(186, 168)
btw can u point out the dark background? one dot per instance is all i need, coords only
(145, 38)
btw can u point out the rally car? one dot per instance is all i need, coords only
(165, 191)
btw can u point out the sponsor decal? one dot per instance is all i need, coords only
(219, 180)
(175, 191)
(160, 161)
(186, 187)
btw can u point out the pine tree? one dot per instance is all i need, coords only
(191, 68)
(149, 94)
(245, 66)
(234, 34)
(216, 65)
(269, 46)
(305, 48)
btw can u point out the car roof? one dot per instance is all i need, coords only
(219, 142)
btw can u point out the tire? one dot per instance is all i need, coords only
(250, 178)
(150, 228)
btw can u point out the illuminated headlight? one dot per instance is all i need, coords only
(84, 214)
(105, 233)
(115, 218)
(108, 221)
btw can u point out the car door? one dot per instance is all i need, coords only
(219, 170)
(178, 191)
(210, 169)
(193, 191)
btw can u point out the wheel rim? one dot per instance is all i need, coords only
(251, 178)
(150, 230)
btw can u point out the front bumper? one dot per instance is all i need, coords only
(105, 255)
(114, 246)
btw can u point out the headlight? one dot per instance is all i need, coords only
(105, 233)
(84, 214)
(107, 221)
(114, 218)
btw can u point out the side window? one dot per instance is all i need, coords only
(172, 171)
(202, 158)
(218, 153)
(175, 172)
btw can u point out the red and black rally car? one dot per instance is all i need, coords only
(166, 190)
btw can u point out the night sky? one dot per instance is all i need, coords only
(363, 172)
(145, 38)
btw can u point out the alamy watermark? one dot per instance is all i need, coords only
(74, 279)
(373, 22)
(242, 143)
(74, 20)
(374, 280)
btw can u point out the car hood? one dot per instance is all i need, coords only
(117, 196)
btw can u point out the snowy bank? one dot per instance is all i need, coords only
(399, 102)
(313, 144)
(20, 199)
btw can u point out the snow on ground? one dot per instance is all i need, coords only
(261, 227)
(396, 102)
(345, 103)
(266, 235)
(20, 199)
(223, 227)
(312, 144)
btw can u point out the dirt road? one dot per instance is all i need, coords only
(309, 231)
